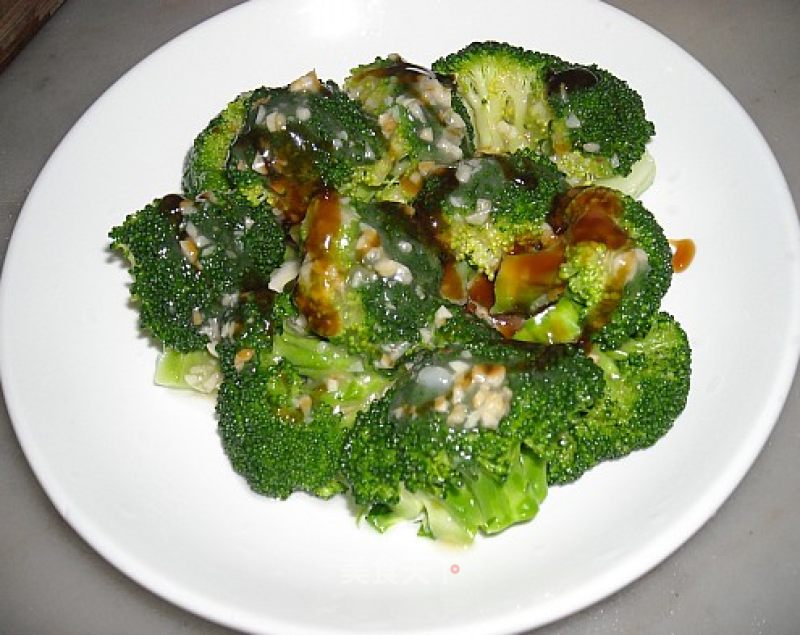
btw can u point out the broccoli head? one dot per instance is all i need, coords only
(285, 401)
(588, 121)
(599, 128)
(602, 277)
(204, 169)
(417, 117)
(503, 89)
(299, 140)
(485, 207)
(366, 281)
(448, 445)
(191, 260)
(646, 386)
(275, 436)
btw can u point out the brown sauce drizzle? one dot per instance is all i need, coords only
(481, 291)
(481, 299)
(452, 286)
(406, 73)
(574, 78)
(683, 253)
(537, 268)
(317, 297)
(507, 325)
(590, 215)
(291, 172)
(170, 207)
(581, 214)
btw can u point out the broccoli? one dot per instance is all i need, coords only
(431, 290)
(274, 437)
(298, 140)
(448, 444)
(356, 285)
(204, 169)
(599, 128)
(485, 207)
(285, 400)
(647, 382)
(603, 277)
(457, 481)
(504, 90)
(191, 260)
(416, 114)
(592, 124)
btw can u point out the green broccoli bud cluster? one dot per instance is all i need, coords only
(591, 123)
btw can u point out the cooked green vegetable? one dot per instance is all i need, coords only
(591, 123)
(417, 117)
(297, 141)
(416, 291)
(190, 262)
(612, 267)
(646, 387)
(366, 280)
(487, 206)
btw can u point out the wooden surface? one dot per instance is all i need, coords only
(19, 22)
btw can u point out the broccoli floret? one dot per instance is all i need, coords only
(591, 123)
(603, 277)
(644, 267)
(451, 445)
(366, 281)
(647, 384)
(504, 90)
(273, 434)
(485, 207)
(482, 504)
(455, 483)
(299, 140)
(176, 297)
(285, 401)
(415, 112)
(191, 260)
(599, 126)
(204, 168)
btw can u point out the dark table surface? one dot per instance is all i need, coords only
(738, 574)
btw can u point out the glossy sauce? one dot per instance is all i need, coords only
(316, 296)
(481, 291)
(291, 173)
(683, 252)
(170, 207)
(507, 324)
(591, 215)
(405, 72)
(481, 299)
(538, 268)
(570, 79)
(452, 286)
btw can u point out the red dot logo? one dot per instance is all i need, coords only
(454, 569)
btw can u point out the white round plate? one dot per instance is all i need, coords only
(139, 472)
